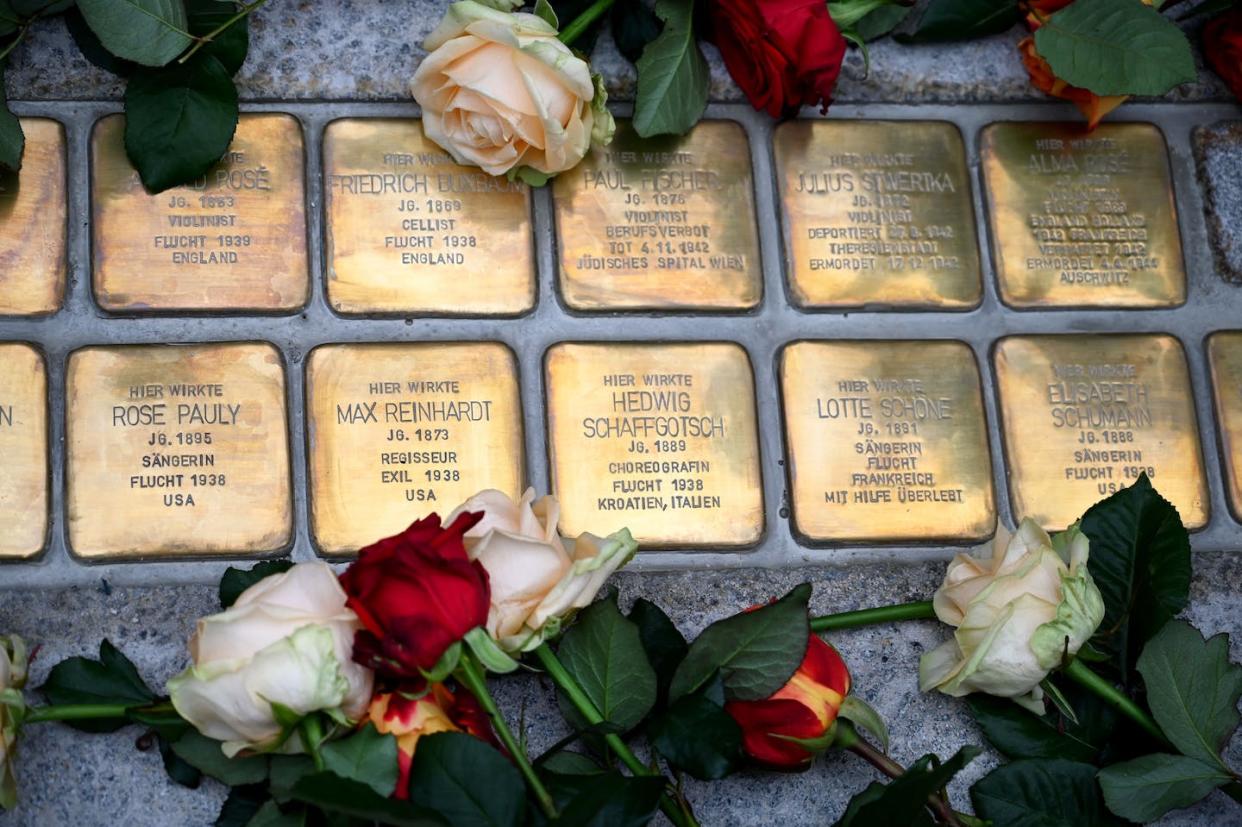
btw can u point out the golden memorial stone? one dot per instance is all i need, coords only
(878, 214)
(1225, 357)
(887, 442)
(233, 240)
(657, 438)
(23, 451)
(1082, 219)
(33, 223)
(410, 231)
(660, 223)
(1085, 416)
(177, 450)
(399, 430)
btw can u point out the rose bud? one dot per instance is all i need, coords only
(1017, 615)
(12, 708)
(499, 91)
(409, 718)
(416, 593)
(537, 578)
(804, 708)
(1222, 46)
(1093, 107)
(286, 640)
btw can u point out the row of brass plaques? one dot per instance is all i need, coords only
(876, 214)
(183, 449)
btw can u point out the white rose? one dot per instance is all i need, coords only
(287, 640)
(501, 92)
(1017, 615)
(12, 707)
(538, 579)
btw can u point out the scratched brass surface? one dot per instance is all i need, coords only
(1083, 416)
(177, 450)
(398, 430)
(410, 231)
(660, 223)
(877, 214)
(1082, 220)
(23, 451)
(234, 240)
(33, 218)
(1225, 359)
(659, 438)
(887, 442)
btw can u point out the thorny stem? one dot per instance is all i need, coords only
(848, 738)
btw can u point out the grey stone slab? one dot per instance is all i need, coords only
(1218, 154)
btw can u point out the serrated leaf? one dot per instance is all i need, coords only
(205, 755)
(662, 641)
(672, 75)
(466, 781)
(149, 32)
(606, 799)
(111, 680)
(603, 651)
(755, 652)
(566, 762)
(1019, 733)
(229, 46)
(90, 47)
(634, 25)
(355, 800)
(235, 580)
(904, 800)
(367, 756)
(1146, 788)
(1115, 47)
(699, 737)
(12, 139)
(1042, 793)
(953, 20)
(284, 772)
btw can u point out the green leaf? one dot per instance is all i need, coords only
(874, 793)
(149, 32)
(566, 762)
(1042, 793)
(269, 815)
(606, 799)
(699, 737)
(634, 25)
(951, 20)
(1115, 47)
(12, 138)
(1140, 561)
(466, 781)
(1146, 788)
(329, 792)
(43, 8)
(229, 46)
(241, 806)
(367, 756)
(178, 769)
(846, 13)
(90, 47)
(882, 21)
(205, 754)
(10, 20)
(860, 713)
(1192, 689)
(672, 75)
(1019, 733)
(235, 580)
(545, 12)
(904, 800)
(755, 652)
(663, 643)
(284, 773)
(604, 652)
(111, 680)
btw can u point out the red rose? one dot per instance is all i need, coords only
(1222, 45)
(782, 53)
(804, 708)
(417, 594)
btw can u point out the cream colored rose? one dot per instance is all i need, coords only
(538, 579)
(287, 640)
(1017, 615)
(12, 707)
(500, 92)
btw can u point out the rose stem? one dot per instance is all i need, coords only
(583, 21)
(586, 707)
(1081, 674)
(312, 737)
(469, 673)
(74, 712)
(881, 614)
(848, 738)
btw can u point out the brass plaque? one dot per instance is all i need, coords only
(660, 223)
(400, 430)
(177, 450)
(877, 214)
(23, 451)
(233, 240)
(1082, 219)
(1225, 357)
(887, 442)
(33, 223)
(1084, 416)
(657, 438)
(409, 230)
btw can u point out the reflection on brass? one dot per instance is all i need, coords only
(877, 214)
(177, 450)
(887, 442)
(399, 430)
(233, 240)
(409, 230)
(1085, 416)
(1225, 356)
(33, 221)
(660, 223)
(1082, 219)
(23, 451)
(658, 438)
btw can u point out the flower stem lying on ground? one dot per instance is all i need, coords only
(919, 610)
(848, 738)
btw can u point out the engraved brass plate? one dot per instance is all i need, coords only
(660, 223)
(233, 240)
(1225, 357)
(410, 231)
(177, 450)
(887, 442)
(657, 438)
(33, 222)
(398, 430)
(1082, 220)
(23, 451)
(877, 214)
(1084, 416)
